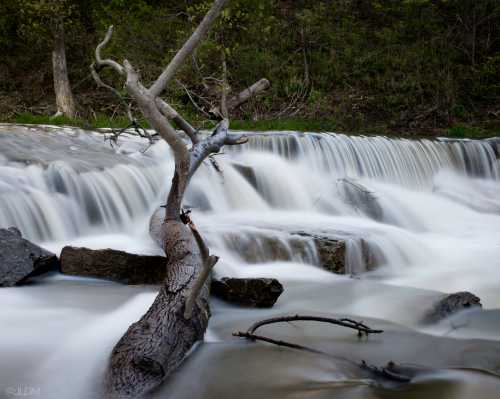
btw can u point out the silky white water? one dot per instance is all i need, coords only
(428, 211)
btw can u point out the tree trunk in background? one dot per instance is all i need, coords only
(64, 96)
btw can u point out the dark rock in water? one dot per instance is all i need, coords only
(252, 292)
(298, 246)
(20, 259)
(331, 253)
(247, 172)
(360, 198)
(113, 265)
(451, 304)
(259, 247)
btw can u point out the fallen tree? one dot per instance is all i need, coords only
(153, 347)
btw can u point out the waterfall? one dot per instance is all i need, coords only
(401, 161)
(109, 190)
(413, 218)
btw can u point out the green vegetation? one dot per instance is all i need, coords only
(463, 131)
(370, 66)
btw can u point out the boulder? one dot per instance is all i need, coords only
(113, 265)
(451, 304)
(20, 259)
(251, 292)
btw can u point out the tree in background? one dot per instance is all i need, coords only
(43, 19)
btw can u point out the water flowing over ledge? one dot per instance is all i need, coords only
(428, 212)
(403, 161)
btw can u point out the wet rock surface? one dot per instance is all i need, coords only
(331, 252)
(20, 259)
(110, 264)
(251, 292)
(247, 172)
(451, 304)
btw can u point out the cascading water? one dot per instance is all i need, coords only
(426, 211)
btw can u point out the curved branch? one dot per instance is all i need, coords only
(348, 323)
(286, 344)
(107, 62)
(187, 49)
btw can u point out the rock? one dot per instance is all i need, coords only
(359, 197)
(113, 265)
(331, 251)
(20, 259)
(451, 304)
(252, 292)
(255, 247)
(247, 172)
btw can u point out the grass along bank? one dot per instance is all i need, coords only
(461, 131)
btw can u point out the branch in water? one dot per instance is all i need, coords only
(348, 323)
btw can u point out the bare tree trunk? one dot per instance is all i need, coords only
(155, 346)
(64, 96)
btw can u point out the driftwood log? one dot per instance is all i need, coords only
(154, 347)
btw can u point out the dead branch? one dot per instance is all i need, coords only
(223, 101)
(187, 49)
(107, 62)
(360, 327)
(242, 97)
(209, 262)
(195, 104)
(153, 347)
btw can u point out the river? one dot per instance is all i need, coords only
(429, 211)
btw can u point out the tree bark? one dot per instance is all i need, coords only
(243, 96)
(156, 345)
(65, 101)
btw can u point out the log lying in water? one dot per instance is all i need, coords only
(155, 346)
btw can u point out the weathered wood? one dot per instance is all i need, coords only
(155, 346)
(243, 96)
(187, 49)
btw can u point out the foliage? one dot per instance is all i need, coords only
(368, 65)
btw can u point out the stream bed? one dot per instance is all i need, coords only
(428, 209)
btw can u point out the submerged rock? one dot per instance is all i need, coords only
(327, 252)
(252, 292)
(247, 172)
(451, 304)
(113, 265)
(20, 259)
(256, 247)
(331, 251)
